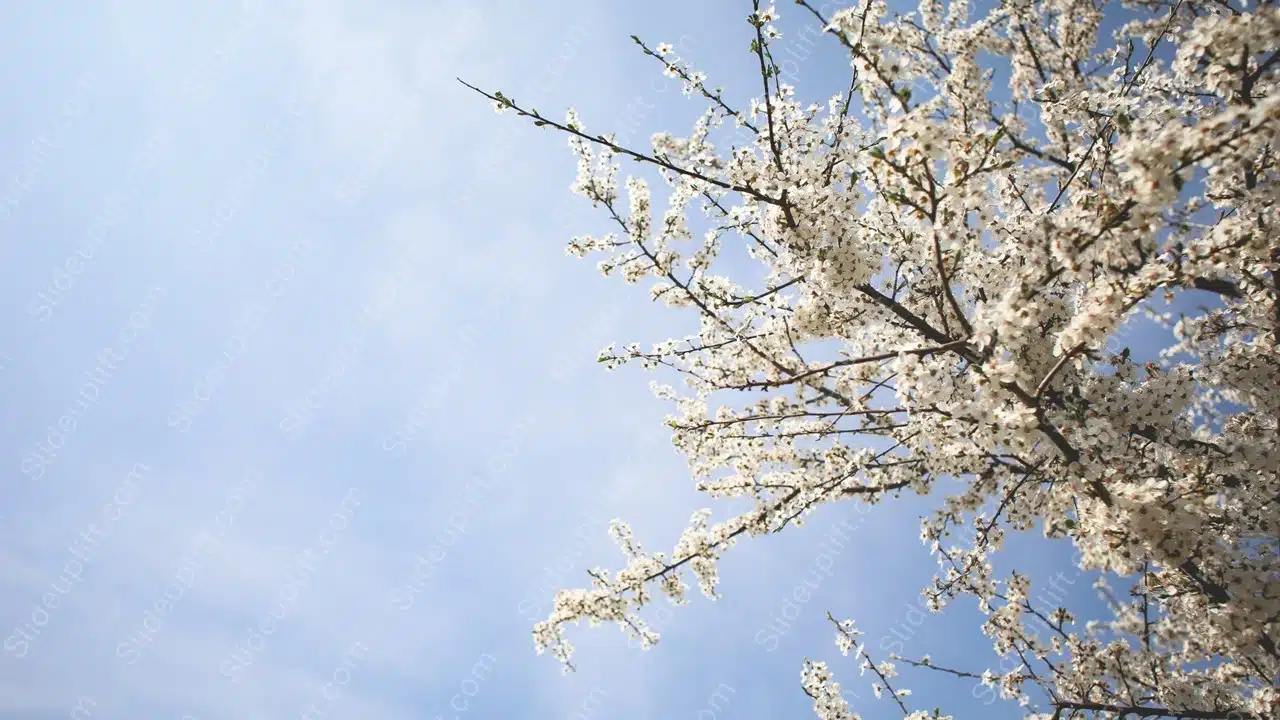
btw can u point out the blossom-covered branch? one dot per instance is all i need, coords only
(946, 266)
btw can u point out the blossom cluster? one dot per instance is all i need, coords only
(945, 266)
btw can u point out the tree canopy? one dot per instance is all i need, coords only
(947, 258)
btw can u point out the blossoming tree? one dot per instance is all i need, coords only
(970, 250)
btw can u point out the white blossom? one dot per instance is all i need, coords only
(944, 275)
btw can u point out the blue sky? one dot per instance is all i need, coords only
(290, 341)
